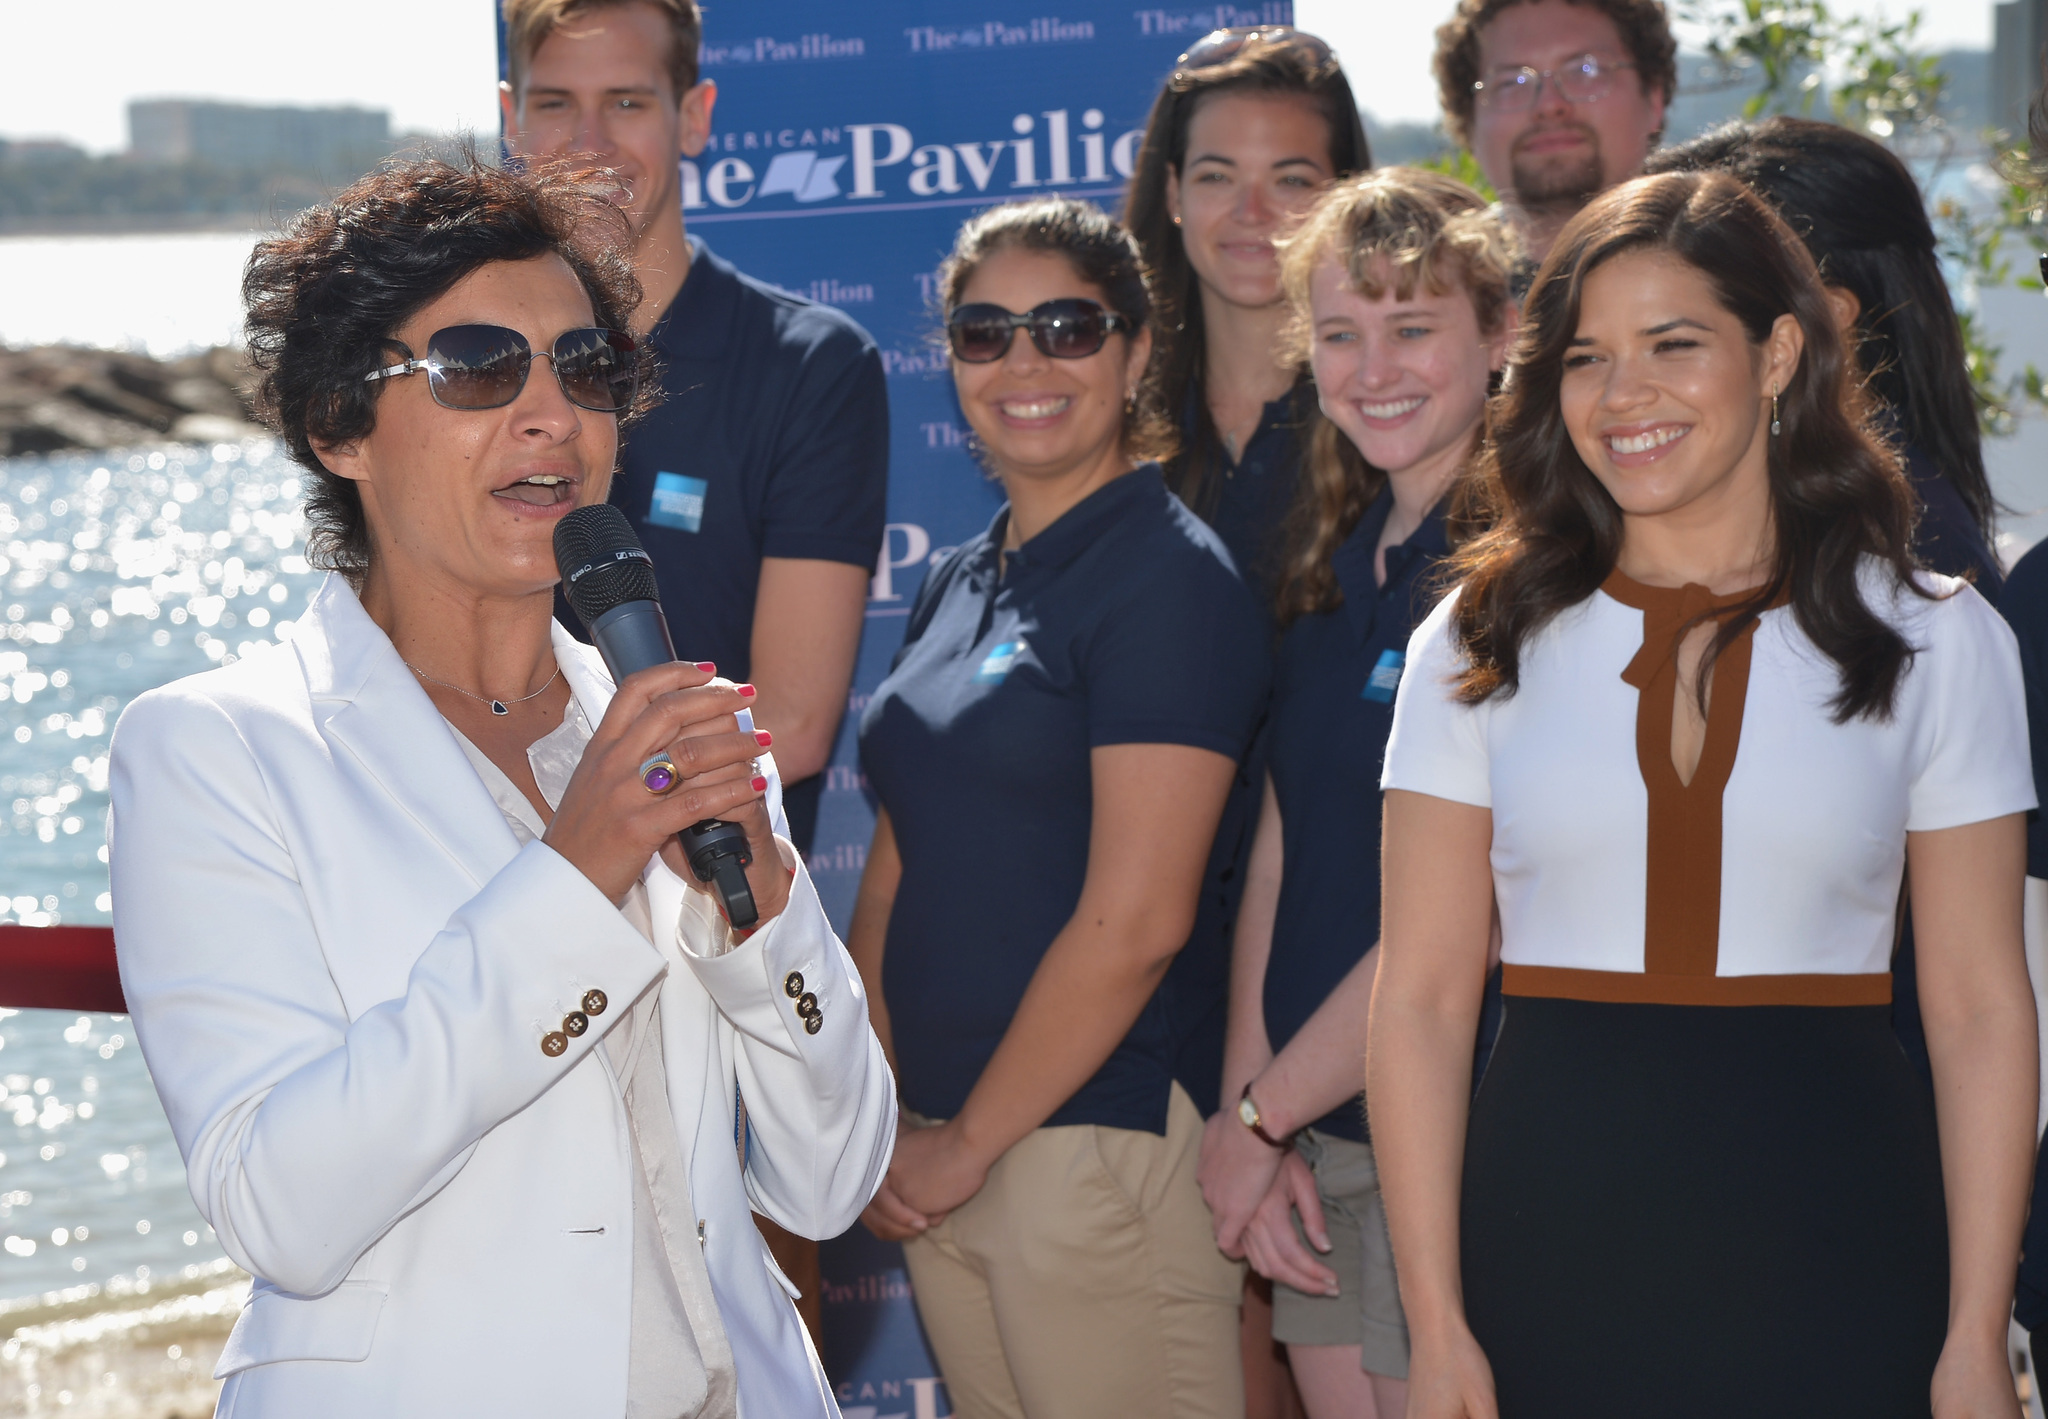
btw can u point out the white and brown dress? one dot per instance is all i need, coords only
(1701, 1177)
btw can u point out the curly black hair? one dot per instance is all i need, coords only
(327, 294)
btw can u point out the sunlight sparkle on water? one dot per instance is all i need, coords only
(118, 573)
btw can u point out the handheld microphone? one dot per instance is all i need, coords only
(609, 580)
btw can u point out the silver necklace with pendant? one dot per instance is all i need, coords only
(497, 706)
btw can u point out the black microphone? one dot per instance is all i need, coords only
(609, 580)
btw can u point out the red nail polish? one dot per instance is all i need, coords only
(706, 666)
(763, 738)
(760, 785)
(746, 692)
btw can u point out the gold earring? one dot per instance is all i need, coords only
(1774, 413)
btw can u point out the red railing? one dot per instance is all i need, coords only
(59, 968)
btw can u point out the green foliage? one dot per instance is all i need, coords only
(1877, 81)
(1458, 162)
(1788, 53)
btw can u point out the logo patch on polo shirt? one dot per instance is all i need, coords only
(678, 502)
(1385, 677)
(998, 662)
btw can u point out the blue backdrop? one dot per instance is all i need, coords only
(851, 142)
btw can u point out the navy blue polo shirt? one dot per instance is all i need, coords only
(1333, 707)
(1122, 623)
(1247, 506)
(1251, 496)
(772, 440)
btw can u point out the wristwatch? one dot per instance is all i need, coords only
(1248, 1115)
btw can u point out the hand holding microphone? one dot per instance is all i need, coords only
(668, 769)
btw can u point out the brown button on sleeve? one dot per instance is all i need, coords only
(814, 1022)
(575, 1023)
(807, 1004)
(553, 1043)
(793, 984)
(594, 1002)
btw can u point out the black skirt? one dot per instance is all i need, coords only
(1713, 1211)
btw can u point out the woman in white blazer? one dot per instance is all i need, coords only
(475, 1085)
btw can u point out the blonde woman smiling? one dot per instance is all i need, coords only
(1398, 281)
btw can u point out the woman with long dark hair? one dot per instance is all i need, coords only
(1859, 211)
(1690, 716)
(1249, 127)
(1251, 124)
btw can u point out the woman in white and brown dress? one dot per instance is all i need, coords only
(1689, 718)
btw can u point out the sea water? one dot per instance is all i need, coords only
(157, 293)
(118, 572)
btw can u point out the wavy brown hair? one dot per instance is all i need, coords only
(1839, 498)
(1274, 60)
(1399, 229)
(1860, 212)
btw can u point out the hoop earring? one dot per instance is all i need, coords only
(1774, 413)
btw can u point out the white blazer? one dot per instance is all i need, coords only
(340, 964)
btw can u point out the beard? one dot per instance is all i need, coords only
(1561, 181)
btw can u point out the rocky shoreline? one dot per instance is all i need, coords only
(134, 1349)
(55, 397)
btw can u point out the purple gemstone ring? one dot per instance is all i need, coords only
(658, 774)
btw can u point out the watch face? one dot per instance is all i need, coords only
(1248, 1112)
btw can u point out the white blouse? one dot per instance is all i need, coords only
(679, 1357)
(1774, 876)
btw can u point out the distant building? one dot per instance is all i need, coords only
(2020, 32)
(40, 152)
(338, 142)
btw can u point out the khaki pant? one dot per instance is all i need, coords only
(1368, 1312)
(1083, 1280)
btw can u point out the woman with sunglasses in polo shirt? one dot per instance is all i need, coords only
(1398, 280)
(1050, 753)
(1691, 718)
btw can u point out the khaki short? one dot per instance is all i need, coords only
(1083, 1279)
(1367, 1312)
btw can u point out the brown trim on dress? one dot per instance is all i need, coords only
(1638, 988)
(1682, 888)
(1682, 871)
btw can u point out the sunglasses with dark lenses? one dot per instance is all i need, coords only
(1219, 45)
(485, 367)
(1068, 329)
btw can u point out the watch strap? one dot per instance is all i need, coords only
(1256, 1123)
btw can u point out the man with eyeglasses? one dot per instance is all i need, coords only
(1556, 99)
(758, 485)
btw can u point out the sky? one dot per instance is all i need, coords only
(1386, 44)
(432, 63)
(73, 65)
